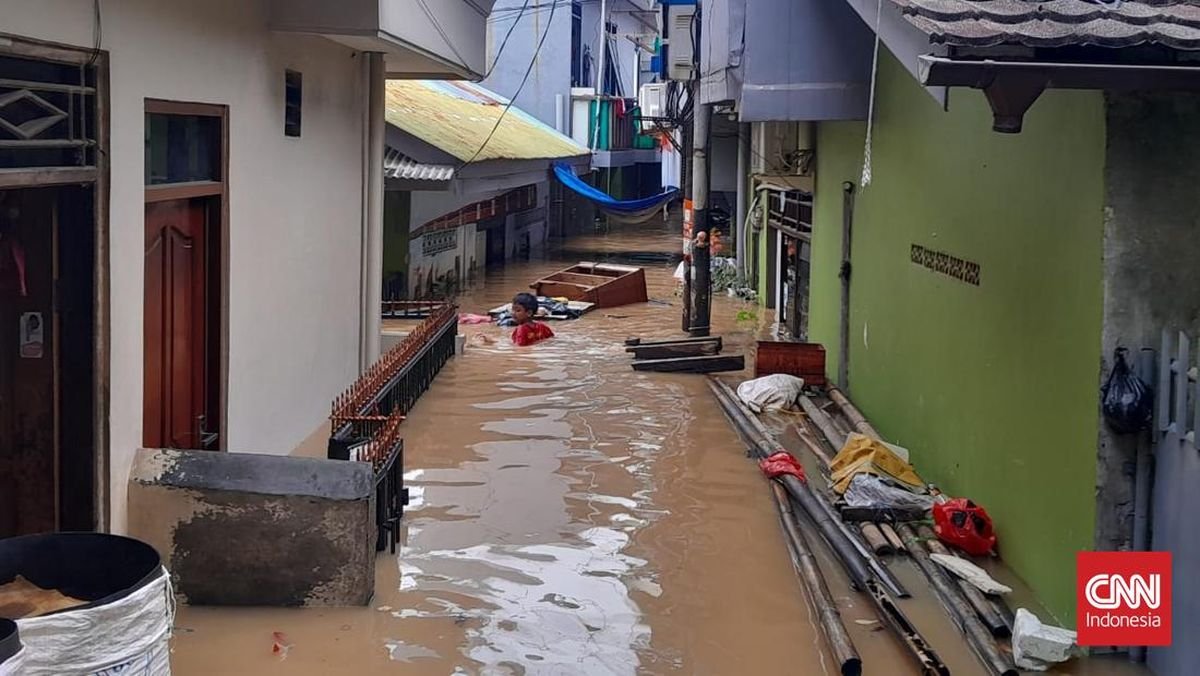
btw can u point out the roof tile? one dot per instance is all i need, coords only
(1057, 23)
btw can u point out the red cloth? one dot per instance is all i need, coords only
(530, 333)
(781, 463)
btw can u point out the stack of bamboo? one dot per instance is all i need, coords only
(859, 538)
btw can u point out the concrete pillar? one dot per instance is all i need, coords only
(372, 322)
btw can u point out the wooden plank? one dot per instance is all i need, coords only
(672, 351)
(714, 341)
(182, 191)
(876, 514)
(185, 108)
(28, 178)
(708, 364)
(631, 342)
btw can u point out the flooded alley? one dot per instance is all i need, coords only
(355, 337)
(568, 516)
(571, 516)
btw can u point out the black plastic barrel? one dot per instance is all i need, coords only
(10, 640)
(93, 567)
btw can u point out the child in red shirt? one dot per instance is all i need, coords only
(528, 331)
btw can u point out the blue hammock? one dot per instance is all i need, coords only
(629, 211)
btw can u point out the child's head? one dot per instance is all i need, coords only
(524, 307)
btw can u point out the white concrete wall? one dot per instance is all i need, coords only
(430, 204)
(294, 210)
(551, 73)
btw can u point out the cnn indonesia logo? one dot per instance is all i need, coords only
(1124, 598)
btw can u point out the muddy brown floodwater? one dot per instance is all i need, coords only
(571, 516)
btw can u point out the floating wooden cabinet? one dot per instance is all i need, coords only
(604, 284)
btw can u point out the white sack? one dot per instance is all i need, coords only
(771, 393)
(129, 637)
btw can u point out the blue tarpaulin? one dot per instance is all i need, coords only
(633, 211)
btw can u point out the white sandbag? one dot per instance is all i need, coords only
(15, 665)
(775, 392)
(972, 573)
(868, 490)
(129, 636)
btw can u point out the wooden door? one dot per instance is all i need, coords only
(176, 326)
(28, 427)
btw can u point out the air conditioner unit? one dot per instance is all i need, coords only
(774, 147)
(681, 41)
(652, 99)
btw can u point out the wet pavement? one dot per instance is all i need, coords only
(571, 516)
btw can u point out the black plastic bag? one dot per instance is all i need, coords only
(1127, 403)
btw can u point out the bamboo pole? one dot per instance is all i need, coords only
(875, 539)
(889, 613)
(992, 619)
(893, 538)
(815, 587)
(813, 444)
(822, 421)
(978, 637)
(809, 500)
(852, 414)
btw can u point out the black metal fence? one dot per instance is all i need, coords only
(366, 418)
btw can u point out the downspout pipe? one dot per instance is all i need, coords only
(372, 230)
(743, 180)
(844, 274)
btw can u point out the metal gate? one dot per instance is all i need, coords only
(365, 419)
(1176, 498)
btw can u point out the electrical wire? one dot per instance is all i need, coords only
(504, 42)
(437, 25)
(509, 105)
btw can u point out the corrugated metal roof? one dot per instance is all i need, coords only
(1056, 23)
(398, 165)
(457, 117)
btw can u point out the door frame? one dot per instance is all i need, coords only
(218, 192)
(98, 176)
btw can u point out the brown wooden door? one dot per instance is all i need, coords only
(176, 326)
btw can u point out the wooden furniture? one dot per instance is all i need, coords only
(605, 284)
(803, 360)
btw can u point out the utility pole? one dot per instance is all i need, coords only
(701, 251)
(685, 180)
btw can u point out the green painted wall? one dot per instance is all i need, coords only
(992, 387)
